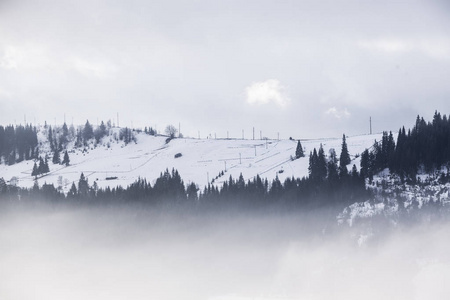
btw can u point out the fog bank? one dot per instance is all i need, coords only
(134, 254)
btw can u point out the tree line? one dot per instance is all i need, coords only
(328, 183)
(18, 143)
(425, 147)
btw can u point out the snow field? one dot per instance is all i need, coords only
(201, 162)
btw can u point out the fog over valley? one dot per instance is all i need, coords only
(135, 253)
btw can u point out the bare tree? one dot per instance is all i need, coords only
(171, 131)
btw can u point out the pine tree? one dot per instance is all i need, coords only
(192, 192)
(73, 191)
(3, 186)
(56, 159)
(355, 173)
(103, 129)
(35, 186)
(299, 151)
(41, 168)
(46, 167)
(344, 158)
(88, 132)
(66, 159)
(94, 189)
(313, 164)
(356, 179)
(100, 132)
(332, 167)
(365, 163)
(321, 164)
(65, 132)
(35, 171)
(64, 137)
(83, 186)
(276, 190)
(79, 138)
(50, 138)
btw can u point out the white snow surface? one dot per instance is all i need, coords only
(201, 159)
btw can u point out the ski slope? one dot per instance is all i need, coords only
(201, 162)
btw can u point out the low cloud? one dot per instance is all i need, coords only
(99, 69)
(106, 253)
(436, 48)
(386, 45)
(338, 113)
(267, 91)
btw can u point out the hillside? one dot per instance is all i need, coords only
(201, 159)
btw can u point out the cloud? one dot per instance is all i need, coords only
(267, 91)
(386, 45)
(8, 60)
(94, 68)
(26, 57)
(4, 93)
(436, 48)
(37, 57)
(338, 114)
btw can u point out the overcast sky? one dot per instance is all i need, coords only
(302, 68)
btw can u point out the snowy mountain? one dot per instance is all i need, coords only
(111, 162)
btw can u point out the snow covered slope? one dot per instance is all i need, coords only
(201, 162)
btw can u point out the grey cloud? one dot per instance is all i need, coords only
(179, 58)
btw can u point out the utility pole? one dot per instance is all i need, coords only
(225, 165)
(253, 133)
(117, 119)
(242, 133)
(228, 136)
(278, 136)
(370, 123)
(260, 134)
(255, 150)
(179, 129)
